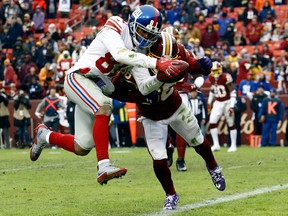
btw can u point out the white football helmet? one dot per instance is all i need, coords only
(216, 69)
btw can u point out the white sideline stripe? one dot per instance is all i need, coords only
(221, 200)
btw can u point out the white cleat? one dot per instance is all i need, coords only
(232, 149)
(40, 141)
(215, 148)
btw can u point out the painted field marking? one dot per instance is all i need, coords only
(221, 200)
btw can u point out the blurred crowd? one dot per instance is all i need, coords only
(249, 38)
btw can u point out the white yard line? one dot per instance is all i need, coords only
(221, 200)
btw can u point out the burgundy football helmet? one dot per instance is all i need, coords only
(165, 46)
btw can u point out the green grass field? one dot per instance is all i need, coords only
(61, 183)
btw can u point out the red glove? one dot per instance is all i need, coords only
(169, 70)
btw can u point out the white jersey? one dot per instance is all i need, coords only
(110, 51)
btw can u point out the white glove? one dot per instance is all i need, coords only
(38, 115)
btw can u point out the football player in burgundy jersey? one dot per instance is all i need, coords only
(160, 107)
(224, 93)
(117, 46)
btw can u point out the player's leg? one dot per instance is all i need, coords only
(273, 134)
(230, 119)
(181, 149)
(90, 99)
(185, 124)
(216, 113)
(156, 135)
(265, 134)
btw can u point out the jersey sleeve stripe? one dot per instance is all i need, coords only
(112, 23)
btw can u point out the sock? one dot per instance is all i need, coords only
(163, 174)
(214, 134)
(101, 136)
(65, 141)
(233, 136)
(204, 150)
(181, 146)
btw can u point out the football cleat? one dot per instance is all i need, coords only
(180, 165)
(232, 149)
(40, 141)
(109, 172)
(218, 178)
(171, 202)
(215, 148)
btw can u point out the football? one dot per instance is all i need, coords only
(183, 67)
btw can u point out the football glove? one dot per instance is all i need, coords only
(205, 64)
(168, 69)
(231, 111)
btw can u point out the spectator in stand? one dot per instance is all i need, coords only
(239, 39)
(92, 20)
(267, 12)
(210, 37)
(45, 76)
(174, 13)
(271, 112)
(196, 15)
(197, 49)
(55, 36)
(64, 64)
(27, 8)
(35, 89)
(51, 11)
(224, 21)
(125, 11)
(26, 66)
(77, 53)
(102, 17)
(229, 34)
(28, 26)
(261, 81)
(38, 19)
(277, 33)
(4, 117)
(245, 86)
(244, 65)
(15, 30)
(28, 78)
(255, 105)
(192, 32)
(190, 6)
(22, 119)
(12, 10)
(41, 3)
(10, 75)
(53, 42)
(259, 4)
(201, 25)
(254, 31)
(64, 8)
(249, 13)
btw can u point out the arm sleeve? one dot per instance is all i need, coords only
(145, 82)
(210, 97)
(115, 44)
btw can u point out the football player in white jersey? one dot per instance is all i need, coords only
(88, 83)
(223, 91)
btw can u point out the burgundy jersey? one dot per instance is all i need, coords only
(220, 86)
(157, 105)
